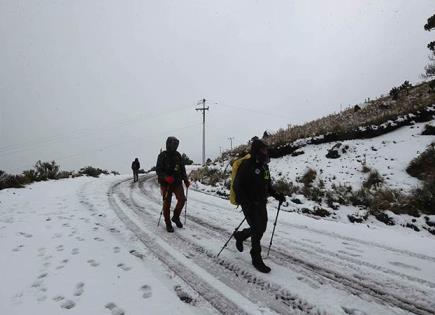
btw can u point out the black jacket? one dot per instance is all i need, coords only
(252, 182)
(170, 164)
(135, 166)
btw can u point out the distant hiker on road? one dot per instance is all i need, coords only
(135, 166)
(252, 185)
(171, 174)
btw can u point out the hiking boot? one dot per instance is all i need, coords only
(239, 241)
(258, 263)
(177, 222)
(169, 227)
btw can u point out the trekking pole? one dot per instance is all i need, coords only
(274, 226)
(225, 245)
(164, 199)
(185, 210)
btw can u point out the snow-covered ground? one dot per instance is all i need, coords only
(389, 154)
(92, 246)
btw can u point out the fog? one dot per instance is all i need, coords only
(102, 82)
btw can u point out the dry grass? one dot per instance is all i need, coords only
(375, 112)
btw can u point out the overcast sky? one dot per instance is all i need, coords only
(102, 82)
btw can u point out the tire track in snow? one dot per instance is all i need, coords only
(336, 235)
(260, 290)
(346, 261)
(357, 286)
(209, 293)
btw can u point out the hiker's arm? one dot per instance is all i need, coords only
(159, 167)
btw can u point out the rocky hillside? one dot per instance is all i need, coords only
(358, 169)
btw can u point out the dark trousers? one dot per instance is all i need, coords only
(167, 191)
(135, 175)
(256, 216)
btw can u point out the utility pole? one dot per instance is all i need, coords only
(203, 109)
(231, 142)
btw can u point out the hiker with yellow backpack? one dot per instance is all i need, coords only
(250, 188)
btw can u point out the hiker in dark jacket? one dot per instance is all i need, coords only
(135, 166)
(252, 186)
(171, 174)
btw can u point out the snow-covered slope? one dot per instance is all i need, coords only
(92, 246)
(389, 154)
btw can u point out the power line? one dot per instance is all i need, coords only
(32, 144)
(111, 145)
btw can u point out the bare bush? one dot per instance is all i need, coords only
(373, 180)
(309, 177)
(423, 166)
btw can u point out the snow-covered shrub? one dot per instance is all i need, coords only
(429, 130)
(286, 187)
(64, 174)
(92, 171)
(373, 180)
(423, 166)
(208, 176)
(47, 170)
(308, 178)
(11, 181)
(423, 198)
(393, 200)
(360, 197)
(32, 175)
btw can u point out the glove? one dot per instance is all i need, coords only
(280, 197)
(187, 183)
(170, 179)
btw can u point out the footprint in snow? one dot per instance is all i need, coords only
(68, 304)
(353, 311)
(18, 248)
(60, 248)
(124, 267)
(58, 298)
(79, 289)
(43, 275)
(99, 239)
(93, 263)
(75, 251)
(57, 235)
(114, 309)
(116, 250)
(137, 254)
(25, 234)
(37, 283)
(183, 296)
(146, 291)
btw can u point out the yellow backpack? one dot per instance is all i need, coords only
(234, 170)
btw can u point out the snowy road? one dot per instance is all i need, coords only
(314, 270)
(92, 246)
